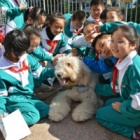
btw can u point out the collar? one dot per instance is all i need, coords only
(90, 18)
(72, 28)
(127, 60)
(45, 36)
(5, 63)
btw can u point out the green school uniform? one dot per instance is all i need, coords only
(125, 121)
(40, 55)
(17, 88)
(110, 26)
(67, 25)
(13, 13)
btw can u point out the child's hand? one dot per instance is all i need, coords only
(74, 52)
(116, 106)
(22, 6)
(90, 37)
(54, 59)
(97, 28)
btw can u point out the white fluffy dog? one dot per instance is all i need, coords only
(71, 71)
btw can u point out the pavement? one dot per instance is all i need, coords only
(68, 129)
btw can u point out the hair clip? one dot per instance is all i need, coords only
(31, 8)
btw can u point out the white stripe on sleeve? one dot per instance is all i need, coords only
(136, 101)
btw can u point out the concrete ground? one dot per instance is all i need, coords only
(68, 129)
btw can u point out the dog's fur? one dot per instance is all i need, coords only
(71, 71)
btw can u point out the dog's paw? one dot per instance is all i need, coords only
(58, 111)
(55, 117)
(81, 116)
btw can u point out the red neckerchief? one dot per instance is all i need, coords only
(24, 67)
(114, 80)
(77, 31)
(97, 20)
(96, 55)
(1, 38)
(52, 44)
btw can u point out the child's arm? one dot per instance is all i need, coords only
(110, 26)
(63, 46)
(3, 95)
(136, 26)
(41, 55)
(131, 93)
(13, 11)
(38, 71)
(100, 66)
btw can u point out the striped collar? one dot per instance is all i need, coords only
(5, 63)
(127, 60)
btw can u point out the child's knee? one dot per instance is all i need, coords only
(99, 114)
(31, 117)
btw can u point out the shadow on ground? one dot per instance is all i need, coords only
(68, 129)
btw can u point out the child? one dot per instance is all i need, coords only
(35, 49)
(96, 8)
(36, 16)
(105, 64)
(74, 24)
(53, 39)
(122, 115)
(17, 70)
(14, 11)
(114, 14)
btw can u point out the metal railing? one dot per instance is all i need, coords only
(2, 18)
(69, 6)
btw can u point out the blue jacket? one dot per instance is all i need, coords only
(101, 66)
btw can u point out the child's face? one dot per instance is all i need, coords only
(120, 45)
(42, 21)
(57, 26)
(103, 47)
(96, 11)
(34, 42)
(112, 16)
(78, 24)
(89, 33)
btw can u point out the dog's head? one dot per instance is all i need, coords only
(70, 71)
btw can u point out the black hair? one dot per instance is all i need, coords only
(30, 29)
(103, 14)
(17, 41)
(129, 32)
(96, 2)
(100, 36)
(34, 14)
(79, 15)
(117, 10)
(51, 18)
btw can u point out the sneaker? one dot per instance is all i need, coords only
(136, 135)
(44, 88)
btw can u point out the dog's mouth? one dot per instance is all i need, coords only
(64, 81)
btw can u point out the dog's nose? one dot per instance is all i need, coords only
(58, 75)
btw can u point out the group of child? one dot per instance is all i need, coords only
(44, 38)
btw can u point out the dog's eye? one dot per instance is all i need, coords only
(68, 64)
